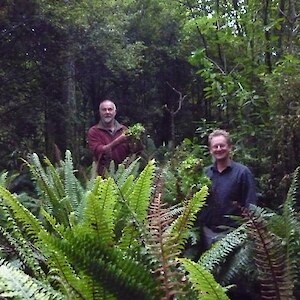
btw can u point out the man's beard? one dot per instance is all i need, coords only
(107, 119)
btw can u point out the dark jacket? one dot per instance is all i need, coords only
(99, 136)
(231, 190)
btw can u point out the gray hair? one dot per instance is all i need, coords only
(107, 100)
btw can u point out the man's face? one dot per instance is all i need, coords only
(219, 148)
(107, 112)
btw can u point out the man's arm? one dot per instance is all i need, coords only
(249, 189)
(100, 144)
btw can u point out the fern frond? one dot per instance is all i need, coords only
(115, 269)
(217, 254)
(15, 245)
(124, 172)
(136, 203)
(204, 282)
(3, 179)
(291, 221)
(50, 186)
(53, 174)
(99, 215)
(139, 199)
(63, 276)
(30, 223)
(73, 188)
(270, 260)
(164, 258)
(240, 263)
(179, 230)
(15, 284)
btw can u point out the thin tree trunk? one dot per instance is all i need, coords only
(69, 93)
(268, 62)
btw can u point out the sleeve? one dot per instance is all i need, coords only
(249, 189)
(95, 142)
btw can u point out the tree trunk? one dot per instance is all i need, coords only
(71, 113)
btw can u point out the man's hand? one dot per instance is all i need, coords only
(119, 140)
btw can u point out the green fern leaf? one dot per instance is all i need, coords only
(30, 223)
(137, 203)
(290, 218)
(204, 282)
(217, 254)
(179, 230)
(73, 189)
(50, 186)
(15, 284)
(123, 172)
(138, 200)
(115, 269)
(270, 259)
(99, 215)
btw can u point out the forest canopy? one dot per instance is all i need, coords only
(180, 68)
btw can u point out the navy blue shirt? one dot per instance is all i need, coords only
(231, 189)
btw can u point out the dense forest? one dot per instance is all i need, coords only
(179, 67)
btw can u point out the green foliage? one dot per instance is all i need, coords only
(98, 245)
(168, 235)
(15, 284)
(185, 170)
(135, 131)
(273, 272)
(217, 254)
(203, 281)
(268, 240)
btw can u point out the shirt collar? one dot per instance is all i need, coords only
(214, 166)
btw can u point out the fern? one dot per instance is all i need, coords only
(204, 282)
(164, 262)
(99, 214)
(4, 178)
(179, 231)
(136, 204)
(217, 254)
(292, 227)
(139, 199)
(30, 223)
(270, 260)
(168, 231)
(239, 264)
(115, 269)
(50, 187)
(73, 188)
(123, 173)
(15, 284)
